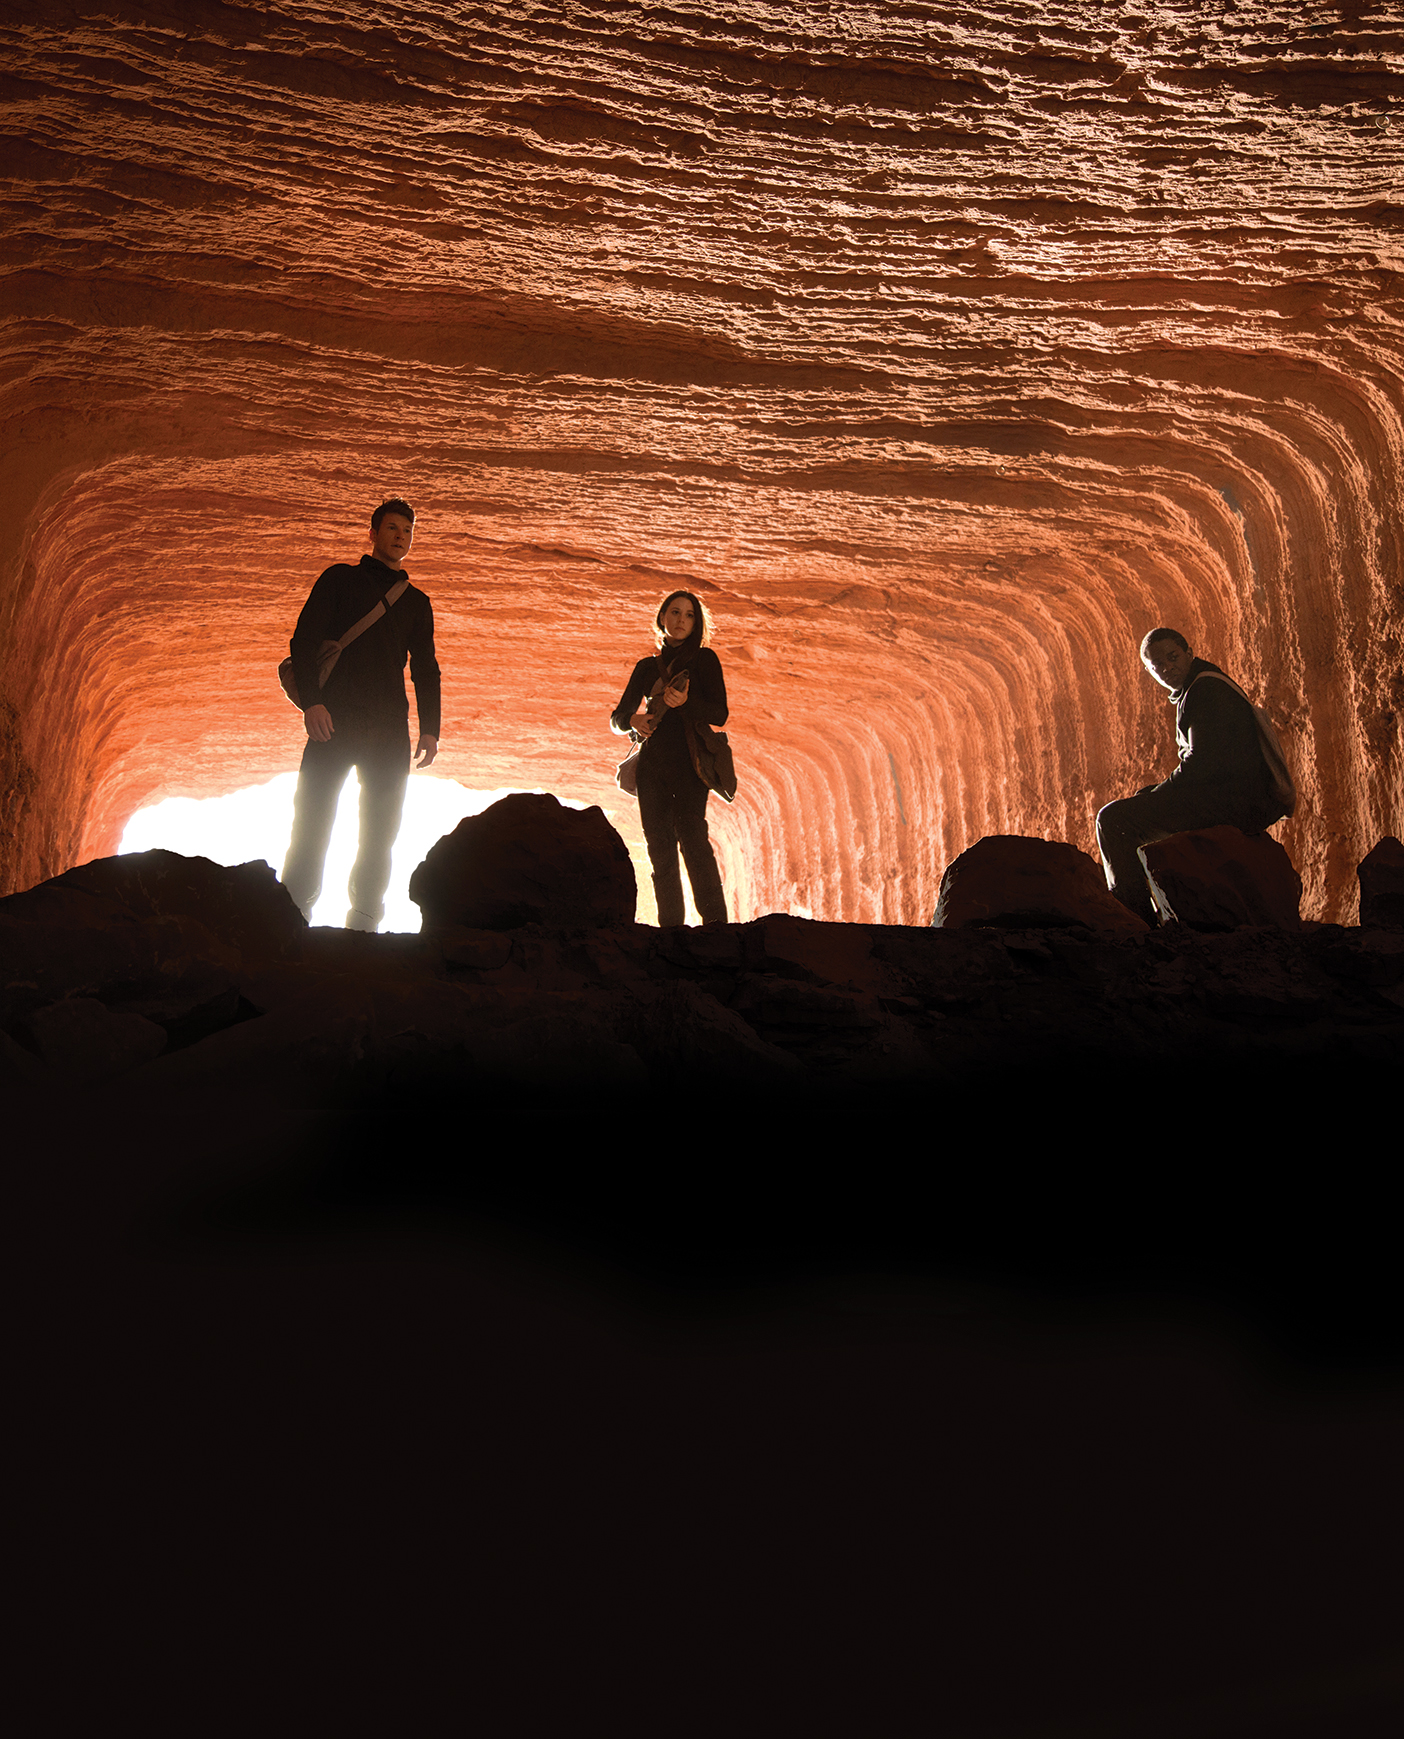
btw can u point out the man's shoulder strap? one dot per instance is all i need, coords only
(1269, 742)
(373, 615)
(1218, 676)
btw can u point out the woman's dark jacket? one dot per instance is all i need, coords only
(705, 703)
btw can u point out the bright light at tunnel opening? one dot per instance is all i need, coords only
(257, 823)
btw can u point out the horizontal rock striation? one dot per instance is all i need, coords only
(943, 351)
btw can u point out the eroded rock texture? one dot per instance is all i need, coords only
(944, 350)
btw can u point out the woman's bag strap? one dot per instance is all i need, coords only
(1280, 779)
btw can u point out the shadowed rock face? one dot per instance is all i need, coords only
(943, 352)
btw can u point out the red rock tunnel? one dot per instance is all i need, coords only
(944, 350)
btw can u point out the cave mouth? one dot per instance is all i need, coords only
(255, 822)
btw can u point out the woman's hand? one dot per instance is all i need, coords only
(643, 723)
(676, 695)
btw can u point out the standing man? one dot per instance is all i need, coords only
(360, 717)
(1231, 771)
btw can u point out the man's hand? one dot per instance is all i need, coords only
(318, 722)
(425, 750)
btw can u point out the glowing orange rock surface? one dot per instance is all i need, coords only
(942, 350)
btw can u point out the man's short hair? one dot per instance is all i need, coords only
(393, 505)
(1164, 634)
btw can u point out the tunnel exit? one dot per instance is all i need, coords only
(256, 823)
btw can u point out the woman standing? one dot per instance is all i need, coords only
(681, 685)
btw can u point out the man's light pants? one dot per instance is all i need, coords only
(381, 758)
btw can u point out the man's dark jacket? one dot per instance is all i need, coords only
(367, 687)
(1220, 751)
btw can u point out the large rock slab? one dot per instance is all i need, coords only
(527, 860)
(1217, 878)
(1381, 875)
(152, 929)
(244, 905)
(1015, 883)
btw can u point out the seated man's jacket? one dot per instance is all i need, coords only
(1216, 734)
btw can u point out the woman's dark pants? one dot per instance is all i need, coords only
(381, 758)
(673, 810)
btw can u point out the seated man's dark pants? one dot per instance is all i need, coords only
(673, 810)
(381, 757)
(1125, 826)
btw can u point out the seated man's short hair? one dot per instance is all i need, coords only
(1164, 634)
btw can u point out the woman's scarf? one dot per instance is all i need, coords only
(674, 658)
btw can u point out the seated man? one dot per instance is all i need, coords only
(1223, 778)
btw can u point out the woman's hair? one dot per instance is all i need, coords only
(701, 623)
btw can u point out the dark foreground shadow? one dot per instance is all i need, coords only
(1047, 1404)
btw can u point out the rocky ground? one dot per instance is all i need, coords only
(573, 1076)
(877, 1329)
(160, 980)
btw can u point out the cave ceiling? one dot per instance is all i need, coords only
(943, 349)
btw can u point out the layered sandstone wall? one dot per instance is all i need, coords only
(944, 350)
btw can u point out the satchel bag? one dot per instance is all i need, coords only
(711, 759)
(333, 649)
(1284, 792)
(626, 774)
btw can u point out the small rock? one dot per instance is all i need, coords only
(1217, 878)
(527, 860)
(684, 1034)
(550, 1055)
(1016, 883)
(1381, 876)
(480, 950)
(79, 1036)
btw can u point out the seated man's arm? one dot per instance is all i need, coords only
(1222, 736)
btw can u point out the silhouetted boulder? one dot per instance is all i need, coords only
(151, 928)
(244, 904)
(115, 909)
(527, 860)
(1218, 878)
(1381, 876)
(1016, 883)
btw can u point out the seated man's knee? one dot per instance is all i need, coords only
(1112, 818)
